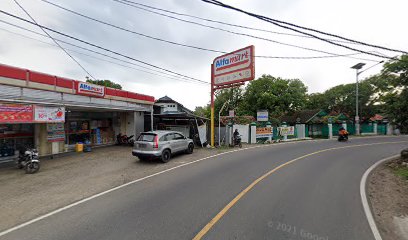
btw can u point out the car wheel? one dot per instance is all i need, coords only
(165, 157)
(190, 148)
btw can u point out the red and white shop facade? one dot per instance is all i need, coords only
(53, 113)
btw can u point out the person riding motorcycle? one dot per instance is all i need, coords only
(236, 139)
(236, 134)
(343, 133)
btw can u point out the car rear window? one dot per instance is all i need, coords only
(146, 137)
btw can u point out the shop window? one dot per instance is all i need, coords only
(14, 137)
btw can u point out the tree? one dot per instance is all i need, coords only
(276, 95)
(203, 111)
(395, 91)
(106, 83)
(342, 98)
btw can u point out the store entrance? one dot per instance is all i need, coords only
(95, 128)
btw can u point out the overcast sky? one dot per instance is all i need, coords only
(373, 21)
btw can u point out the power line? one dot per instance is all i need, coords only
(99, 47)
(224, 23)
(101, 59)
(86, 49)
(180, 44)
(241, 34)
(278, 23)
(76, 61)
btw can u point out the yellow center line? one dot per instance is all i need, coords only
(217, 217)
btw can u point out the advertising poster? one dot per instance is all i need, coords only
(55, 132)
(15, 113)
(49, 114)
(262, 132)
(287, 131)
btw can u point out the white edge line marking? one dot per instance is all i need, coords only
(132, 182)
(364, 199)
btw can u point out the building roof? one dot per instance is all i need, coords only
(377, 117)
(26, 78)
(303, 116)
(167, 99)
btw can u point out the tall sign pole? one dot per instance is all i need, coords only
(212, 106)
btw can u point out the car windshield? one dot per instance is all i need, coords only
(146, 137)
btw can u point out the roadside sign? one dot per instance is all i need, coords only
(262, 116)
(286, 131)
(262, 132)
(234, 67)
(231, 113)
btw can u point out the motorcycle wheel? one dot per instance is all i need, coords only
(32, 167)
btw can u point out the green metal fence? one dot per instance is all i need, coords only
(367, 128)
(382, 129)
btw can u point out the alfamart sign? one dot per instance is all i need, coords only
(90, 89)
(234, 67)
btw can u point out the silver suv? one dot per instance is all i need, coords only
(161, 144)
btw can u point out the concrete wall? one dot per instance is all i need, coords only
(42, 145)
(243, 131)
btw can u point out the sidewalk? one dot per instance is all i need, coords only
(67, 179)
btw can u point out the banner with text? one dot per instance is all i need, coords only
(15, 113)
(49, 114)
(262, 132)
(55, 132)
(286, 131)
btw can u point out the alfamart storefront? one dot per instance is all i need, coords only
(52, 113)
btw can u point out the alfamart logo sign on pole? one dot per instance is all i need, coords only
(231, 70)
(234, 67)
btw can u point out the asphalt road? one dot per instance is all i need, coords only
(314, 197)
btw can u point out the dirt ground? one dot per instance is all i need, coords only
(388, 197)
(64, 180)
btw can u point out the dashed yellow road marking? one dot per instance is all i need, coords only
(217, 217)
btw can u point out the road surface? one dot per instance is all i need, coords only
(310, 191)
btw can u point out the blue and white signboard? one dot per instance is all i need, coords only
(262, 116)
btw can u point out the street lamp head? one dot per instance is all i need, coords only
(358, 66)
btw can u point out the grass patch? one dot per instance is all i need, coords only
(402, 171)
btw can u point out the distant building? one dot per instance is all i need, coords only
(169, 114)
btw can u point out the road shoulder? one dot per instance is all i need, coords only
(388, 197)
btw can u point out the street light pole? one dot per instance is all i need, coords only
(358, 66)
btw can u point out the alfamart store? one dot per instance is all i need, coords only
(53, 113)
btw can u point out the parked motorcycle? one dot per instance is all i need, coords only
(29, 160)
(237, 141)
(125, 140)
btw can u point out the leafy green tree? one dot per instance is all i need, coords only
(395, 91)
(342, 98)
(276, 95)
(106, 83)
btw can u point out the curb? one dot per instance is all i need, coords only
(364, 200)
